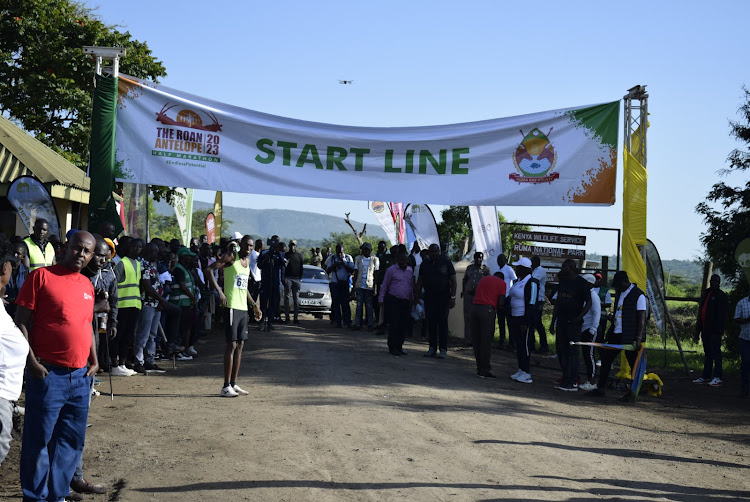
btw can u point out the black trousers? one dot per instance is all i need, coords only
(608, 357)
(588, 356)
(436, 309)
(482, 331)
(538, 327)
(127, 318)
(399, 312)
(522, 340)
(569, 355)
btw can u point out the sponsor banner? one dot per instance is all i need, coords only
(486, 229)
(181, 213)
(382, 212)
(420, 220)
(522, 235)
(32, 201)
(397, 210)
(655, 289)
(551, 158)
(549, 252)
(135, 198)
(211, 228)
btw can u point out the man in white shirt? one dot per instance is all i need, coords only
(628, 327)
(509, 276)
(589, 330)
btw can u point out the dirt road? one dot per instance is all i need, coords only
(332, 416)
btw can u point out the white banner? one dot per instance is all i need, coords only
(382, 212)
(420, 219)
(180, 212)
(484, 224)
(562, 157)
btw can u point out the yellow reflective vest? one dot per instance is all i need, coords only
(129, 291)
(37, 257)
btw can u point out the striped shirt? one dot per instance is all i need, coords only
(743, 312)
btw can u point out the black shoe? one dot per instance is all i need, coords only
(296, 321)
(595, 393)
(153, 368)
(394, 353)
(627, 398)
(139, 368)
(401, 351)
(486, 375)
(354, 328)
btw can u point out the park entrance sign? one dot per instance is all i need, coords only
(552, 158)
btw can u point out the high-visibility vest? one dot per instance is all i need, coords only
(128, 291)
(37, 257)
(177, 295)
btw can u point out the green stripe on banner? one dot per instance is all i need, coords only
(186, 156)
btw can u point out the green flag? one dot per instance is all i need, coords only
(102, 158)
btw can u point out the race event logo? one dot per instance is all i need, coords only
(535, 159)
(378, 207)
(186, 136)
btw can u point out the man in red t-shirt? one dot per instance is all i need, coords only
(55, 310)
(488, 299)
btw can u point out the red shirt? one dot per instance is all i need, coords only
(489, 289)
(63, 306)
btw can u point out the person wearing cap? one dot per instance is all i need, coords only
(55, 310)
(128, 272)
(438, 278)
(365, 267)
(628, 328)
(573, 302)
(293, 279)
(472, 276)
(489, 297)
(40, 252)
(523, 297)
(507, 274)
(539, 273)
(184, 294)
(589, 331)
(13, 351)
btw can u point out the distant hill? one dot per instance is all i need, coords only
(308, 228)
(690, 271)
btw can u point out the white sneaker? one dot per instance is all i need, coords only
(240, 391)
(598, 362)
(524, 378)
(94, 394)
(716, 382)
(587, 386)
(191, 351)
(183, 357)
(517, 374)
(121, 371)
(228, 391)
(701, 380)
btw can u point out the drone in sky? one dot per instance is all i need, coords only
(345, 82)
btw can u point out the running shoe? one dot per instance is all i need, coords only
(239, 390)
(716, 382)
(121, 371)
(228, 391)
(191, 351)
(183, 357)
(701, 380)
(524, 378)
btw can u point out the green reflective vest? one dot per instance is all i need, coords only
(177, 296)
(37, 257)
(129, 291)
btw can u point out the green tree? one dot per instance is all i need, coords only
(726, 210)
(351, 246)
(46, 82)
(456, 230)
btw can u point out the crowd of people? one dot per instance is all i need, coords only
(97, 304)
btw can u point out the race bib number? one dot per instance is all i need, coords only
(240, 281)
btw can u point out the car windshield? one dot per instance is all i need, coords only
(315, 274)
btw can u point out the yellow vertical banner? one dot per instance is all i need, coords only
(634, 219)
(218, 202)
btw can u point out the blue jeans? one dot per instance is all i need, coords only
(364, 296)
(57, 408)
(745, 367)
(146, 332)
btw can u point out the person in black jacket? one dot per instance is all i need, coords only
(628, 328)
(711, 315)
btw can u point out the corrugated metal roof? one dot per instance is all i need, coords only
(21, 153)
